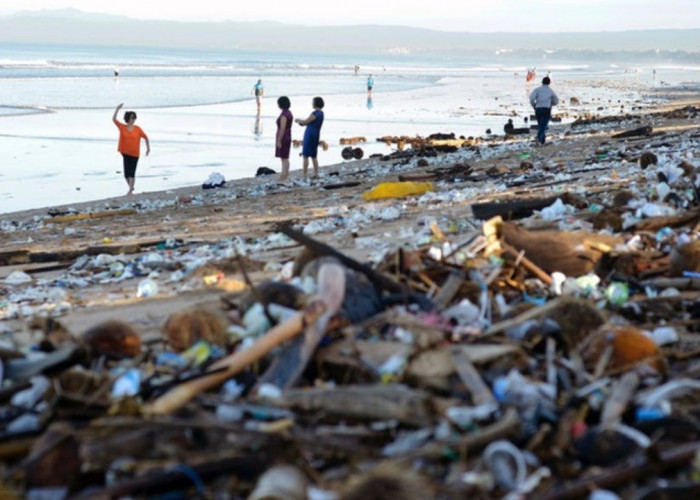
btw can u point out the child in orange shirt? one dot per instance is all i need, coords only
(130, 136)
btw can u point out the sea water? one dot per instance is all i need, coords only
(58, 144)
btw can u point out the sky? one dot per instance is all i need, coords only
(453, 15)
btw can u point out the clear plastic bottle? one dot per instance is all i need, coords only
(617, 293)
(147, 288)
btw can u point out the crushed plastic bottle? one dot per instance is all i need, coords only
(229, 413)
(30, 397)
(617, 293)
(18, 278)
(127, 384)
(664, 233)
(201, 352)
(147, 288)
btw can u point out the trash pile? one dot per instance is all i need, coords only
(547, 350)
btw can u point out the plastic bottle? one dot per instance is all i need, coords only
(31, 396)
(147, 288)
(617, 293)
(229, 413)
(128, 384)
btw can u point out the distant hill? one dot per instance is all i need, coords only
(76, 27)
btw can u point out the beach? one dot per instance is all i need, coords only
(71, 261)
(60, 147)
(244, 213)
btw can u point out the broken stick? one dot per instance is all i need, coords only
(330, 297)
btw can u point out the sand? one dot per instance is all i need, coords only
(209, 224)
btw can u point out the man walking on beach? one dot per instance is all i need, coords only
(542, 99)
(370, 84)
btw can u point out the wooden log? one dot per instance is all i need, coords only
(449, 289)
(481, 394)
(679, 283)
(92, 215)
(113, 249)
(508, 427)
(14, 257)
(246, 467)
(640, 466)
(340, 185)
(655, 223)
(417, 177)
(530, 266)
(515, 209)
(646, 130)
(365, 403)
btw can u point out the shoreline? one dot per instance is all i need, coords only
(70, 155)
(262, 198)
(201, 248)
(675, 100)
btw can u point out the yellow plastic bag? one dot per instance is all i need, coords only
(397, 190)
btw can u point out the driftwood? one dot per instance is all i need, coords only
(450, 288)
(331, 296)
(417, 177)
(229, 366)
(340, 185)
(365, 402)
(655, 223)
(507, 427)
(511, 209)
(247, 467)
(92, 215)
(379, 280)
(633, 133)
(641, 466)
(481, 394)
(293, 359)
(678, 283)
(573, 253)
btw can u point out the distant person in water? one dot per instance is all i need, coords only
(370, 84)
(129, 146)
(259, 91)
(542, 99)
(283, 138)
(312, 135)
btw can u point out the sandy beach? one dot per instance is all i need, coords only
(244, 213)
(82, 263)
(68, 155)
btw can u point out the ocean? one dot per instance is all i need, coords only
(58, 144)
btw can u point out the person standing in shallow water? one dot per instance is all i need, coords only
(259, 91)
(542, 99)
(312, 135)
(370, 85)
(283, 138)
(129, 146)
